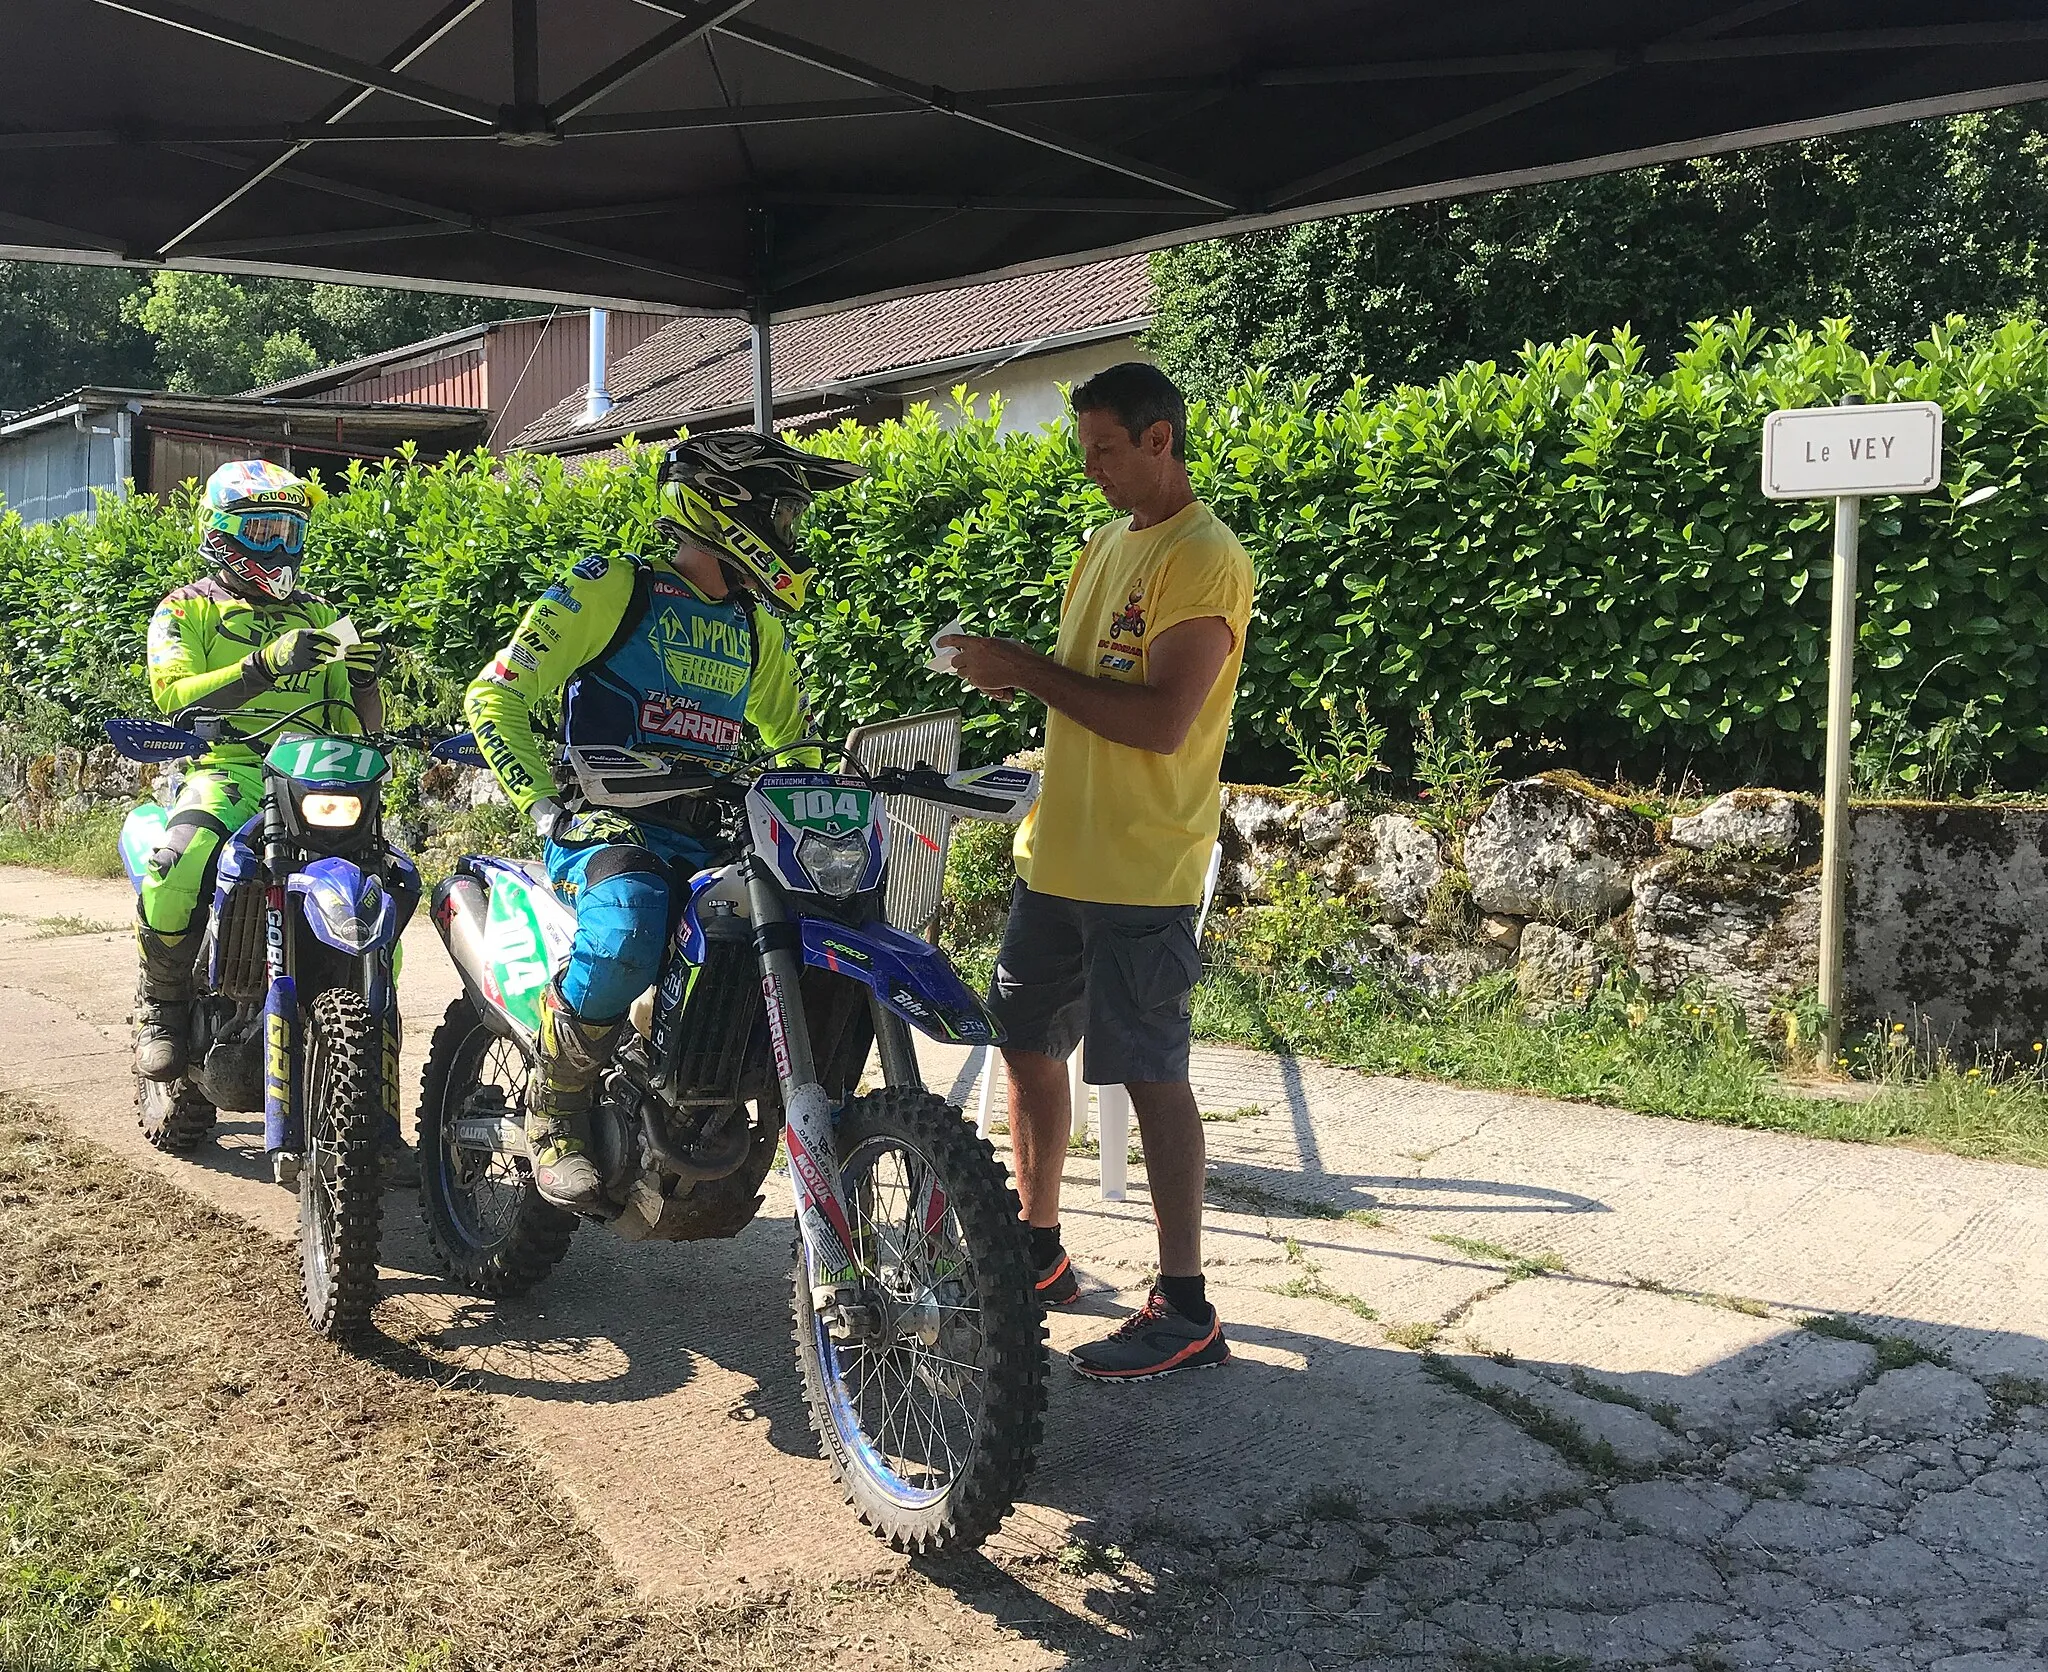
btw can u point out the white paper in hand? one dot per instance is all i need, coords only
(343, 632)
(942, 660)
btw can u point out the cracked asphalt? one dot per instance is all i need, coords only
(1518, 1383)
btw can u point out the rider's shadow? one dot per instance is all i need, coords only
(612, 1323)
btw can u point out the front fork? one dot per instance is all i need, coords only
(821, 1215)
(283, 1119)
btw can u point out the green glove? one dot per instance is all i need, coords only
(365, 660)
(300, 651)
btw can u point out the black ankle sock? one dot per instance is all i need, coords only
(1045, 1245)
(1189, 1296)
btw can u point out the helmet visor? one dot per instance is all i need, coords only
(782, 515)
(263, 531)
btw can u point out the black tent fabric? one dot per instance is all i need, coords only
(730, 156)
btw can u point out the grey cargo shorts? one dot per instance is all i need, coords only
(1116, 977)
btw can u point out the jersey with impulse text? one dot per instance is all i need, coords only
(642, 660)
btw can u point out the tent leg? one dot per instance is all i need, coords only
(764, 379)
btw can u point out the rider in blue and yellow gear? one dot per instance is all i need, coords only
(680, 652)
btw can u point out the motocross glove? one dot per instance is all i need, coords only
(365, 660)
(299, 651)
(548, 815)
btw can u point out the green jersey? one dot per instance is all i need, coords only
(199, 640)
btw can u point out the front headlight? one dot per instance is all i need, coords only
(325, 810)
(835, 863)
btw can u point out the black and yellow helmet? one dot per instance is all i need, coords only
(740, 493)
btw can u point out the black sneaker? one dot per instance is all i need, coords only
(1154, 1341)
(1056, 1284)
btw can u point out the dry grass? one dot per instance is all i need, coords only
(188, 1479)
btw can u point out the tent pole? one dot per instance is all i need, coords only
(764, 379)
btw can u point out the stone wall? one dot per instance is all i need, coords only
(1947, 917)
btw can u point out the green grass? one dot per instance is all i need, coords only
(1894, 1352)
(84, 846)
(1308, 1283)
(1519, 1266)
(69, 923)
(1259, 1199)
(134, 1597)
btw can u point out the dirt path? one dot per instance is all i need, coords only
(1482, 1342)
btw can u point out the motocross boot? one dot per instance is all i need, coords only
(164, 1022)
(573, 1053)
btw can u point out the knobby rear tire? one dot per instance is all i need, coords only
(537, 1236)
(341, 1185)
(984, 1491)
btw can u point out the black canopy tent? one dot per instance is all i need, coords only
(770, 158)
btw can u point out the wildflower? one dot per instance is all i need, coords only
(2037, 1047)
(1900, 1027)
(1841, 1062)
(1973, 1074)
(1329, 705)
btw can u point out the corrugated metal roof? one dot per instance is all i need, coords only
(695, 368)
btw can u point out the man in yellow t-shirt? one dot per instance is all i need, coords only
(1101, 939)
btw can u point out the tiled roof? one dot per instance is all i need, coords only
(692, 368)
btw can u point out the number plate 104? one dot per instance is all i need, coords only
(833, 808)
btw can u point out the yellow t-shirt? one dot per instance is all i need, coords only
(1113, 824)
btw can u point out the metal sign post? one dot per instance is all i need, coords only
(1846, 453)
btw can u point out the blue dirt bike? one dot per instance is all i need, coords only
(917, 1334)
(296, 1007)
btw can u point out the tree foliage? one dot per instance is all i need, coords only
(216, 335)
(1899, 227)
(200, 333)
(61, 327)
(1571, 544)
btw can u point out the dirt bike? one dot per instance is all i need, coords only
(919, 1339)
(296, 1009)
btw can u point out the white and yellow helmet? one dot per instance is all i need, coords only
(740, 493)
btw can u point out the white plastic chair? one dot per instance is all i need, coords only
(1113, 1102)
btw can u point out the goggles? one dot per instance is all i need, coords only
(262, 531)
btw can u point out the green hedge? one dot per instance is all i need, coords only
(1574, 545)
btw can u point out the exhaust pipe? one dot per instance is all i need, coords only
(460, 907)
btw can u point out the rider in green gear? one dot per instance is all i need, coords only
(679, 653)
(243, 641)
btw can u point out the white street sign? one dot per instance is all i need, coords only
(1847, 454)
(1825, 452)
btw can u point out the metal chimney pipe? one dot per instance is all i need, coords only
(599, 400)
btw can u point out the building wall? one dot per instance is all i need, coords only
(1031, 388)
(516, 371)
(52, 472)
(455, 379)
(534, 363)
(175, 459)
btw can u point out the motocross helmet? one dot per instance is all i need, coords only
(255, 527)
(740, 493)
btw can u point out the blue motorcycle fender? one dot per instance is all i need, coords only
(912, 977)
(346, 907)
